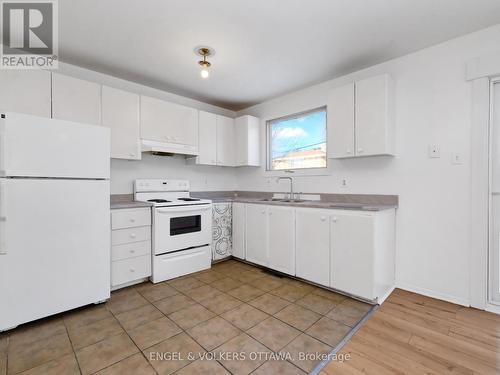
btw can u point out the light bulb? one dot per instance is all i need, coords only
(204, 73)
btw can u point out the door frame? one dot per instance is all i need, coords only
(480, 72)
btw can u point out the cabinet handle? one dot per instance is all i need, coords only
(132, 220)
(132, 235)
(323, 218)
(348, 151)
(263, 212)
(360, 150)
(334, 219)
(132, 269)
(270, 213)
(132, 251)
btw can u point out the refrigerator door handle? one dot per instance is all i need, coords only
(3, 218)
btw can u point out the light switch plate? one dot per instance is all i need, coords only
(434, 151)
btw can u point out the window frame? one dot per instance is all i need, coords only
(306, 171)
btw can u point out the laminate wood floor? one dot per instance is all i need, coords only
(413, 334)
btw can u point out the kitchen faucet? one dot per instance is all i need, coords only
(291, 184)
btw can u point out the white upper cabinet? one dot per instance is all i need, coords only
(120, 112)
(313, 245)
(75, 99)
(225, 141)
(25, 91)
(207, 133)
(247, 141)
(341, 122)
(162, 121)
(374, 132)
(360, 119)
(281, 243)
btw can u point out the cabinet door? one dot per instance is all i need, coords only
(312, 236)
(256, 234)
(247, 141)
(75, 99)
(207, 130)
(239, 230)
(352, 257)
(162, 121)
(281, 245)
(120, 112)
(25, 91)
(372, 116)
(341, 122)
(225, 141)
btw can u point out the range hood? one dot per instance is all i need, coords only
(168, 148)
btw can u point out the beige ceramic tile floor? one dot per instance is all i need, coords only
(236, 313)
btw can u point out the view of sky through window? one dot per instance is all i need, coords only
(298, 142)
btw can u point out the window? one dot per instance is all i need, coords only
(297, 141)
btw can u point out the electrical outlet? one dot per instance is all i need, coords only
(456, 158)
(434, 151)
(343, 183)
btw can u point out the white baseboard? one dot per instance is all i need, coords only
(434, 294)
(384, 297)
(493, 308)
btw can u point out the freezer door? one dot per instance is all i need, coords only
(32, 146)
(54, 247)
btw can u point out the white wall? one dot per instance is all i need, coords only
(124, 172)
(433, 106)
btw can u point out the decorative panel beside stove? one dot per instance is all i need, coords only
(222, 230)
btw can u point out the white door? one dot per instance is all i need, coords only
(25, 91)
(281, 245)
(494, 256)
(239, 230)
(340, 118)
(75, 99)
(256, 233)
(372, 116)
(120, 112)
(163, 121)
(207, 132)
(225, 141)
(41, 147)
(352, 257)
(312, 235)
(54, 247)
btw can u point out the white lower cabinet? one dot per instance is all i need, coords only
(256, 232)
(312, 241)
(350, 251)
(239, 230)
(362, 253)
(130, 246)
(281, 239)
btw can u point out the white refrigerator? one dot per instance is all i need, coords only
(54, 217)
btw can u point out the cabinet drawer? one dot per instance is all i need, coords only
(127, 270)
(128, 235)
(130, 250)
(136, 217)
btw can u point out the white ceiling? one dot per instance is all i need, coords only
(264, 47)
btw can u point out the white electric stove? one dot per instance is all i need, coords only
(182, 227)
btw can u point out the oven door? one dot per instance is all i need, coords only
(181, 227)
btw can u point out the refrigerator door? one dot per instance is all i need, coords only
(54, 247)
(32, 146)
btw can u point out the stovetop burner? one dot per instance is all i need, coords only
(158, 200)
(188, 199)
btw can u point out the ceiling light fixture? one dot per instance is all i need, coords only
(204, 52)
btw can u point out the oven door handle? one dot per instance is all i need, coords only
(183, 209)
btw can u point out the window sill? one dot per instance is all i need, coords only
(298, 172)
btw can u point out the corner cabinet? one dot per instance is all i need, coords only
(120, 112)
(360, 118)
(26, 91)
(163, 121)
